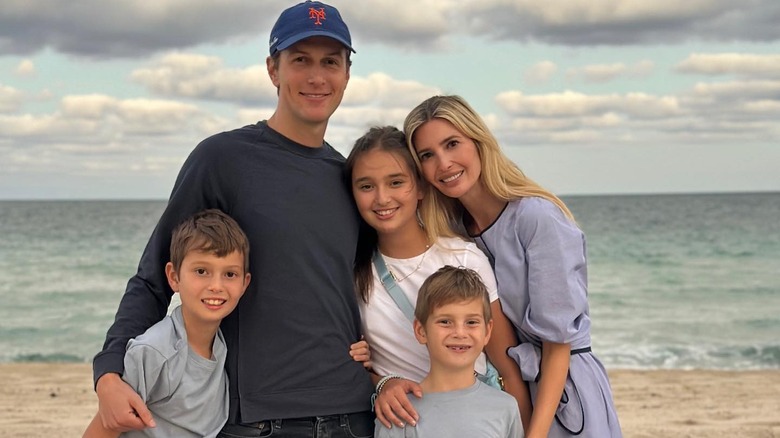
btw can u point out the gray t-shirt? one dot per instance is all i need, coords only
(477, 411)
(186, 393)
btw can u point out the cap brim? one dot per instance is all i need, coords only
(300, 37)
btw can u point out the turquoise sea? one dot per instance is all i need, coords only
(676, 281)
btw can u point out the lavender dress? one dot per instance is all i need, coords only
(541, 269)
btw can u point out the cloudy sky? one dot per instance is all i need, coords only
(105, 99)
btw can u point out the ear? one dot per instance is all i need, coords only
(489, 331)
(419, 332)
(247, 279)
(273, 72)
(172, 276)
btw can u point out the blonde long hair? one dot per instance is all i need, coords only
(501, 177)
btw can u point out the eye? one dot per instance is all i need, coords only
(443, 321)
(397, 183)
(231, 274)
(424, 156)
(452, 143)
(365, 187)
(200, 271)
(473, 322)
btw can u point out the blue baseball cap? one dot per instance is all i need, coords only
(305, 20)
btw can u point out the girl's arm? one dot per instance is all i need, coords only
(361, 352)
(553, 371)
(502, 338)
(392, 405)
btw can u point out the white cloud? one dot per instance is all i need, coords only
(737, 111)
(573, 104)
(26, 68)
(205, 77)
(385, 91)
(740, 64)
(600, 73)
(540, 72)
(10, 99)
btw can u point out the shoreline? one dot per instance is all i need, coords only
(57, 399)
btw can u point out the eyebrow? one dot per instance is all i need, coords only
(448, 139)
(302, 51)
(392, 175)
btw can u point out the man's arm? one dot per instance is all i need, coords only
(148, 295)
(144, 303)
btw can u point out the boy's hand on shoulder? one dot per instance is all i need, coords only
(119, 407)
(392, 405)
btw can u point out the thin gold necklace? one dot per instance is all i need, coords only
(417, 268)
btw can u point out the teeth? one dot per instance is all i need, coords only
(453, 177)
(214, 302)
(384, 212)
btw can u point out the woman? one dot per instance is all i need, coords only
(538, 254)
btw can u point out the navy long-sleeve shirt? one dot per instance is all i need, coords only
(288, 340)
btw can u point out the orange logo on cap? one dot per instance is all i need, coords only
(317, 15)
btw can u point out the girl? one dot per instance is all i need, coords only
(387, 190)
(538, 254)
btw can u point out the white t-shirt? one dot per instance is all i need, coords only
(394, 349)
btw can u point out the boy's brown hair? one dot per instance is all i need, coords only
(208, 231)
(451, 285)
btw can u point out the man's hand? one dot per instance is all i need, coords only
(119, 407)
(392, 405)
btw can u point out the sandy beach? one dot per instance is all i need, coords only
(56, 400)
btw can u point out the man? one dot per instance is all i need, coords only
(288, 340)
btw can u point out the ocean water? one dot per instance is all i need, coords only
(676, 281)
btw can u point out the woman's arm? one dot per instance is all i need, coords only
(554, 370)
(502, 338)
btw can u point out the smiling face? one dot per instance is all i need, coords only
(209, 286)
(455, 334)
(449, 159)
(311, 77)
(386, 192)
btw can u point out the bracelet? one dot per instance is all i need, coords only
(381, 384)
(384, 380)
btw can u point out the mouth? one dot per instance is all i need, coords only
(459, 348)
(386, 212)
(452, 178)
(315, 96)
(213, 302)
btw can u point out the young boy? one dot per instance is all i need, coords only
(454, 322)
(178, 365)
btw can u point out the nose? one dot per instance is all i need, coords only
(215, 285)
(382, 195)
(443, 161)
(316, 75)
